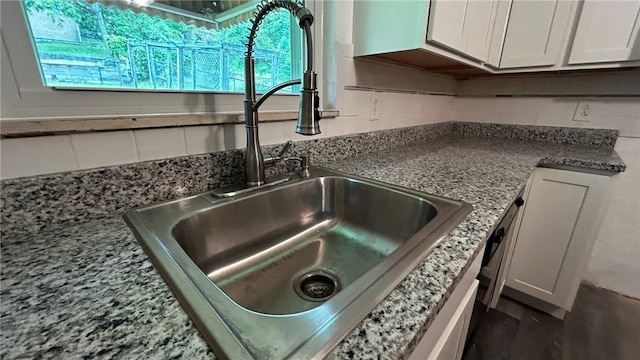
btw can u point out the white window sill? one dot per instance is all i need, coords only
(28, 128)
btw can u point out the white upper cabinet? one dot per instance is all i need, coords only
(436, 33)
(535, 33)
(388, 26)
(446, 24)
(607, 32)
(464, 26)
(485, 27)
(472, 37)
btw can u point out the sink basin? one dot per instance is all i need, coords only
(288, 271)
(329, 226)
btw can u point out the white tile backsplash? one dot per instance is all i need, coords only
(333, 127)
(105, 148)
(162, 143)
(610, 113)
(355, 124)
(510, 86)
(427, 108)
(628, 108)
(235, 136)
(415, 103)
(552, 120)
(394, 103)
(556, 106)
(271, 132)
(42, 155)
(628, 126)
(475, 116)
(36, 155)
(517, 118)
(204, 139)
(354, 103)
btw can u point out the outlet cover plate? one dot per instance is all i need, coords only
(374, 111)
(583, 112)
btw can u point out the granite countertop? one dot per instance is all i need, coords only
(89, 290)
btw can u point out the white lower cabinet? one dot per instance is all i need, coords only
(451, 344)
(446, 336)
(553, 244)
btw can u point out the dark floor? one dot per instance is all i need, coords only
(602, 326)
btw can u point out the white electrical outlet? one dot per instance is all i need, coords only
(374, 111)
(583, 112)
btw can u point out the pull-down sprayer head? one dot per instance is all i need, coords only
(308, 114)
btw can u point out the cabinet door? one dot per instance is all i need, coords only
(558, 229)
(478, 28)
(607, 31)
(464, 26)
(448, 320)
(535, 32)
(451, 345)
(499, 29)
(451, 338)
(446, 23)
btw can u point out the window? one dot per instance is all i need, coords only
(27, 94)
(102, 46)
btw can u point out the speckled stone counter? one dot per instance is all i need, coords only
(89, 291)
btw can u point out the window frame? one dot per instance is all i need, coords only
(24, 97)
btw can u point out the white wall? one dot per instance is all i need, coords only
(615, 261)
(620, 113)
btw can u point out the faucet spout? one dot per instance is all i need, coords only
(308, 115)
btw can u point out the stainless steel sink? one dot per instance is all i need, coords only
(288, 271)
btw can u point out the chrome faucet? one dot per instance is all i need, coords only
(308, 113)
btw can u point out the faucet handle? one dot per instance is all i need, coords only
(270, 160)
(284, 149)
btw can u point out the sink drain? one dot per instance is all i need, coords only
(317, 285)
